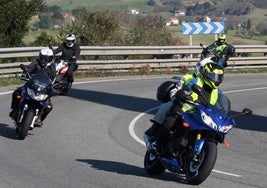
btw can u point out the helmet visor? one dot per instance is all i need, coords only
(70, 42)
(46, 58)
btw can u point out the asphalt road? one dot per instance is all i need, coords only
(93, 138)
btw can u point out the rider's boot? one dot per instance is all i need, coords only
(161, 139)
(38, 122)
(12, 113)
(149, 135)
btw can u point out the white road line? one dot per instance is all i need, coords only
(226, 173)
(7, 92)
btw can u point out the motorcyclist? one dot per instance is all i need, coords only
(70, 52)
(166, 107)
(42, 63)
(209, 81)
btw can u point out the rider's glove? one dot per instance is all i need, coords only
(178, 87)
(183, 94)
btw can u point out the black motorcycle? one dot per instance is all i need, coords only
(35, 95)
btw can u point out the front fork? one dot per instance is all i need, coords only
(198, 146)
(25, 108)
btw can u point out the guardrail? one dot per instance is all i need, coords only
(115, 58)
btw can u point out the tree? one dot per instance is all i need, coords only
(14, 18)
(44, 40)
(45, 22)
(98, 28)
(150, 30)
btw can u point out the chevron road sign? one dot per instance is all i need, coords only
(193, 28)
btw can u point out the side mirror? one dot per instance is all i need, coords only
(246, 111)
(23, 67)
(26, 73)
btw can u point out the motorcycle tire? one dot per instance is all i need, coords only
(198, 171)
(152, 164)
(25, 125)
(66, 89)
(163, 91)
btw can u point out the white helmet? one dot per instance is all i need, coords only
(200, 65)
(70, 40)
(46, 55)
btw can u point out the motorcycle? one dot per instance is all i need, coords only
(35, 95)
(61, 82)
(192, 145)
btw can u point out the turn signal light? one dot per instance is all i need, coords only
(185, 124)
(226, 143)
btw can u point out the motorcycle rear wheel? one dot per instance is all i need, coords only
(25, 125)
(66, 89)
(152, 164)
(198, 171)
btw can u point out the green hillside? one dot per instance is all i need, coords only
(113, 4)
(257, 16)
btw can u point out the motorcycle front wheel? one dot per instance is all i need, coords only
(152, 164)
(23, 128)
(200, 167)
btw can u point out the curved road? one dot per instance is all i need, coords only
(93, 138)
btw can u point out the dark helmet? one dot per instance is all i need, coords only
(222, 38)
(213, 75)
(46, 55)
(70, 40)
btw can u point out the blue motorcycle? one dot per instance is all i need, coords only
(192, 146)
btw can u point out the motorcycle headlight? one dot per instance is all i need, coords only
(208, 120)
(225, 128)
(37, 97)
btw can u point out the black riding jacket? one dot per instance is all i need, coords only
(36, 66)
(68, 53)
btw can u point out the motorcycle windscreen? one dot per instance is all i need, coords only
(40, 82)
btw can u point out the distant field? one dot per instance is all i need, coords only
(112, 4)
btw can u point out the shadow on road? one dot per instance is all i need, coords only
(125, 102)
(134, 103)
(127, 169)
(7, 131)
(253, 123)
